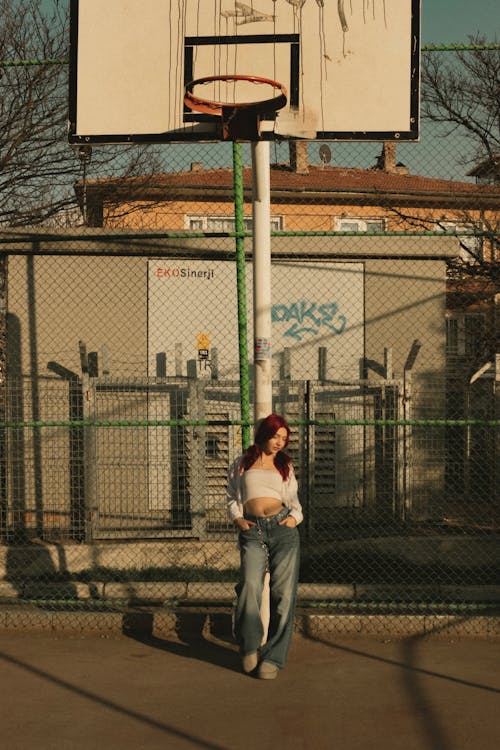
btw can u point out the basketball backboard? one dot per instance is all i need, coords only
(350, 69)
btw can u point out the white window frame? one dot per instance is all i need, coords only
(358, 224)
(462, 331)
(475, 244)
(226, 222)
(453, 339)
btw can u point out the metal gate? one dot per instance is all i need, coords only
(169, 480)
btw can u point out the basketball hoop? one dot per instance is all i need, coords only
(240, 120)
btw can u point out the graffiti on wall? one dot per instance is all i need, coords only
(304, 317)
(316, 305)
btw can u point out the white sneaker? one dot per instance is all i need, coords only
(249, 662)
(268, 671)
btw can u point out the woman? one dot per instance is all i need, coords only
(263, 503)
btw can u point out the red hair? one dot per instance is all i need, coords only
(266, 429)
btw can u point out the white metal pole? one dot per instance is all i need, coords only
(261, 212)
(261, 201)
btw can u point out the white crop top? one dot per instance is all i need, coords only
(261, 483)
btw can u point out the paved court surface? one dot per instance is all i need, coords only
(87, 692)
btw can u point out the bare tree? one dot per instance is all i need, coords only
(462, 89)
(38, 168)
(35, 161)
(461, 93)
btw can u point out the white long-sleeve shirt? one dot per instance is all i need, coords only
(235, 493)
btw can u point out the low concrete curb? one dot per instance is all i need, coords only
(147, 592)
(154, 593)
(193, 622)
(399, 626)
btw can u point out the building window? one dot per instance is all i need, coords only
(221, 223)
(465, 335)
(359, 225)
(471, 248)
(452, 336)
(474, 332)
(488, 179)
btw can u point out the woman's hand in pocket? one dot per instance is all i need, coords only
(243, 525)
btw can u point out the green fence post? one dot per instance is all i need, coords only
(242, 294)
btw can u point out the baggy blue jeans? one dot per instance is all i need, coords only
(267, 546)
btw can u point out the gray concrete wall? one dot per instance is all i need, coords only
(57, 300)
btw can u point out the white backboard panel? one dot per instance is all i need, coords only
(351, 68)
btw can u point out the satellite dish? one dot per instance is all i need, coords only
(325, 154)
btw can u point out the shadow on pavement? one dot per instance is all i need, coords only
(190, 641)
(413, 676)
(112, 705)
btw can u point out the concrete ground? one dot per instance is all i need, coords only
(81, 692)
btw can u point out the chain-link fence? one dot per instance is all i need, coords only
(123, 375)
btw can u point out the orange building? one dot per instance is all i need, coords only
(321, 198)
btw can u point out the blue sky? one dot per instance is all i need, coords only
(450, 21)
